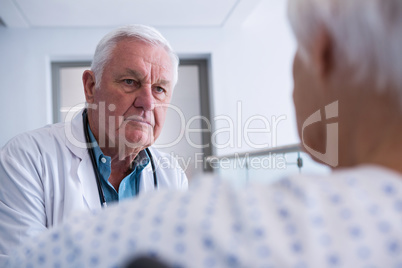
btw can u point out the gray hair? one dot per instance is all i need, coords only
(366, 33)
(135, 32)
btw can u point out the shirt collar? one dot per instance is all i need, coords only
(141, 161)
(97, 150)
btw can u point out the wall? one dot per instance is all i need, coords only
(250, 67)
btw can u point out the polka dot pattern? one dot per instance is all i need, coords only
(351, 219)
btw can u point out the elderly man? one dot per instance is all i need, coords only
(104, 154)
(349, 66)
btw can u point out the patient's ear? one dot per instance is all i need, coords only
(322, 54)
(88, 80)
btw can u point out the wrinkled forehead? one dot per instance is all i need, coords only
(155, 54)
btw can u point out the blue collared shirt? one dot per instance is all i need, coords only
(129, 186)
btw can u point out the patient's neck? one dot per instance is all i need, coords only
(370, 131)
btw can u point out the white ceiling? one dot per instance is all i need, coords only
(110, 13)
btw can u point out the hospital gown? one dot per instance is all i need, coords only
(351, 218)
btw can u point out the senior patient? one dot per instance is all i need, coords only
(46, 175)
(348, 66)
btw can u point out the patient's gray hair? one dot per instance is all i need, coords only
(367, 34)
(135, 32)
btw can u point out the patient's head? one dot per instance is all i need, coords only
(348, 66)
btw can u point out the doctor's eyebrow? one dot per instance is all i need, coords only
(133, 73)
(163, 82)
(140, 76)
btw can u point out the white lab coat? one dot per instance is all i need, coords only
(46, 175)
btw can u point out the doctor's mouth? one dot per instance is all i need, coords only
(138, 119)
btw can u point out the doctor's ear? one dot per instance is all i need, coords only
(88, 80)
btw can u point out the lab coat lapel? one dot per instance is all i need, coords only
(75, 141)
(88, 181)
(75, 137)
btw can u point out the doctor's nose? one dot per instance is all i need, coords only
(145, 99)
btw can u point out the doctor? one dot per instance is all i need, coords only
(103, 155)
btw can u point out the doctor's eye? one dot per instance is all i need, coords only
(160, 89)
(129, 81)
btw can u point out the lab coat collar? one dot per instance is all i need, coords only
(75, 137)
(75, 141)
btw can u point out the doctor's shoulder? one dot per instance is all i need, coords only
(33, 143)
